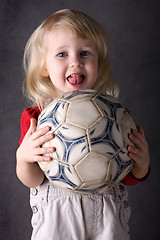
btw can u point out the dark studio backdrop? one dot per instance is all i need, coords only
(134, 29)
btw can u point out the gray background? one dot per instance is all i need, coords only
(134, 28)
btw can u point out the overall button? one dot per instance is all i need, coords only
(34, 191)
(122, 188)
(34, 209)
(126, 204)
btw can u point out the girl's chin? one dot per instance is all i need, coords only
(73, 87)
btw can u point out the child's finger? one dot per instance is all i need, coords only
(140, 130)
(40, 132)
(137, 138)
(41, 151)
(41, 158)
(134, 153)
(133, 156)
(42, 139)
(134, 150)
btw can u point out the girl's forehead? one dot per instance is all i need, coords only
(63, 30)
(64, 34)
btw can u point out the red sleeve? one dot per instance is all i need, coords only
(131, 180)
(26, 116)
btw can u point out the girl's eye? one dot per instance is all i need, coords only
(84, 53)
(62, 54)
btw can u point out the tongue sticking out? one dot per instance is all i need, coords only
(75, 78)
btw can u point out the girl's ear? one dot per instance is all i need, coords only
(44, 71)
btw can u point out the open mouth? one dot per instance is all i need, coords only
(75, 78)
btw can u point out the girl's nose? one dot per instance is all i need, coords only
(75, 61)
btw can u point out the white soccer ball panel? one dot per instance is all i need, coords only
(120, 114)
(109, 98)
(77, 114)
(71, 143)
(51, 167)
(54, 113)
(45, 165)
(107, 105)
(88, 186)
(97, 130)
(101, 105)
(62, 184)
(92, 167)
(119, 166)
(60, 148)
(126, 127)
(116, 136)
(70, 131)
(105, 137)
(78, 95)
(62, 175)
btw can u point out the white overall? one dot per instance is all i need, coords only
(61, 215)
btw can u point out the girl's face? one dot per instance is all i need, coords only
(71, 62)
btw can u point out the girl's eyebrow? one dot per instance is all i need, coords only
(83, 45)
(61, 47)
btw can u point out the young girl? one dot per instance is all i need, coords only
(67, 52)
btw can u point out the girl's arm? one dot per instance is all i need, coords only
(30, 153)
(139, 153)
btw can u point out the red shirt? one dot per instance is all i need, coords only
(30, 112)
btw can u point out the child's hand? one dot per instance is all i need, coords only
(30, 149)
(30, 152)
(139, 153)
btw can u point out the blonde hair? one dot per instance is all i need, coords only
(40, 89)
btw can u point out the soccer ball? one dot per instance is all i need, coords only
(91, 138)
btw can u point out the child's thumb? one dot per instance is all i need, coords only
(33, 126)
